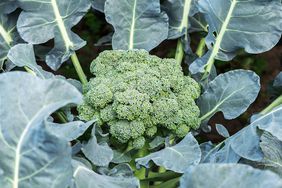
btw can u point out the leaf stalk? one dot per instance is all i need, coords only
(78, 69)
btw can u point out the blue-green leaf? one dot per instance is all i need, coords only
(222, 130)
(120, 157)
(254, 26)
(228, 175)
(98, 5)
(231, 93)
(273, 123)
(278, 80)
(176, 158)
(8, 6)
(138, 24)
(179, 12)
(84, 177)
(272, 150)
(42, 20)
(68, 131)
(22, 55)
(100, 154)
(246, 142)
(28, 151)
(8, 36)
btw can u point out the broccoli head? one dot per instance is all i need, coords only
(138, 95)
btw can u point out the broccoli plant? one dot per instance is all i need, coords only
(140, 96)
(157, 105)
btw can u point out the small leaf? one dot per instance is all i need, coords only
(278, 80)
(41, 21)
(99, 154)
(22, 55)
(138, 24)
(228, 175)
(28, 151)
(121, 157)
(272, 150)
(68, 131)
(84, 177)
(222, 130)
(231, 93)
(158, 141)
(176, 158)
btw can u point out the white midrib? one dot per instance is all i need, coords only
(219, 104)
(186, 11)
(18, 154)
(80, 168)
(132, 29)
(221, 33)
(61, 25)
(5, 35)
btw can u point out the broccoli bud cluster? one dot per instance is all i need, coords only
(139, 95)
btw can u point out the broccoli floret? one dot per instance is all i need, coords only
(139, 142)
(121, 130)
(136, 94)
(182, 130)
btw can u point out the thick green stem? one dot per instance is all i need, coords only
(78, 69)
(61, 117)
(142, 172)
(201, 47)
(275, 103)
(179, 54)
(29, 70)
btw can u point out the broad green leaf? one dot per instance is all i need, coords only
(246, 142)
(42, 20)
(228, 175)
(138, 24)
(272, 150)
(254, 26)
(8, 6)
(198, 23)
(221, 153)
(176, 158)
(86, 178)
(8, 36)
(222, 130)
(68, 131)
(273, 124)
(231, 93)
(29, 155)
(179, 12)
(100, 154)
(22, 55)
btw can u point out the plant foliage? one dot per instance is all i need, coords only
(141, 120)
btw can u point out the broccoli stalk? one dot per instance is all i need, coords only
(136, 96)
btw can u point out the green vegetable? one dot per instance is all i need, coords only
(139, 95)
